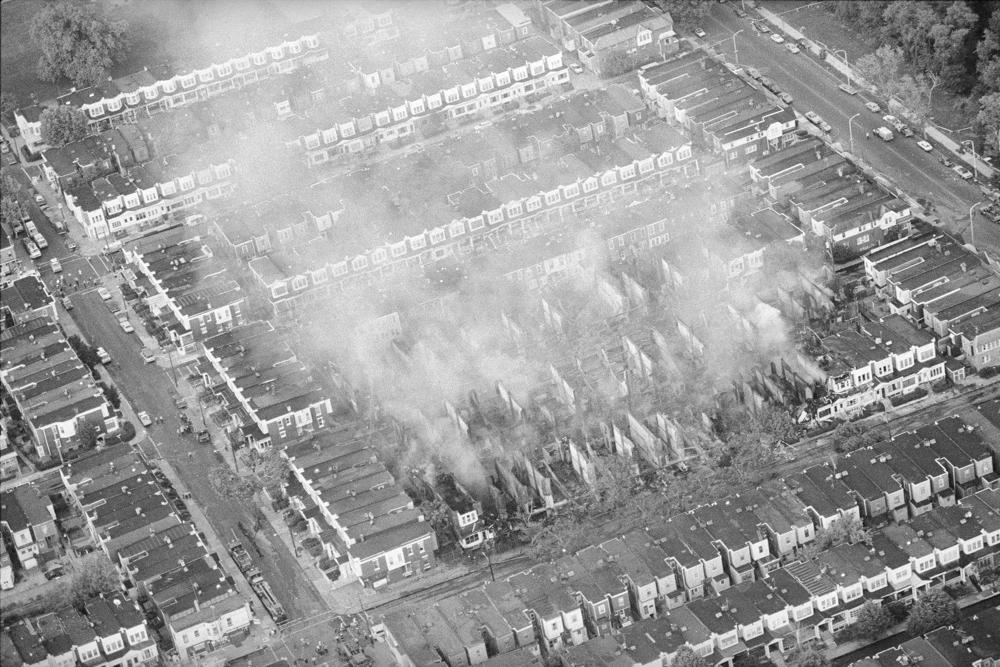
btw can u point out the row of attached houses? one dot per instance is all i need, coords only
(867, 362)
(828, 196)
(28, 526)
(109, 631)
(271, 397)
(513, 206)
(971, 641)
(934, 281)
(718, 108)
(26, 298)
(527, 69)
(369, 527)
(622, 590)
(609, 38)
(164, 559)
(122, 100)
(182, 284)
(52, 388)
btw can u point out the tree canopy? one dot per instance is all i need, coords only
(76, 42)
(931, 610)
(93, 575)
(685, 657)
(873, 619)
(62, 125)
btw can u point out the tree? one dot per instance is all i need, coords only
(62, 125)
(873, 619)
(988, 55)
(842, 532)
(86, 353)
(930, 611)
(988, 119)
(909, 25)
(866, 17)
(851, 436)
(809, 656)
(686, 657)
(881, 68)
(8, 105)
(92, 575)
(88, 434)
(112, 396)
(76, 42)
(271, 469)
(229, 485)
(686, 13)
(953, 46)
(10, 210)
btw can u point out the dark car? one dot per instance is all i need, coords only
(739, 13)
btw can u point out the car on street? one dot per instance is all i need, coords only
(144, 418)
(67, 303)
(964, 173)
(905, 130)
(883, 133)
(761, 27)
(31, 249)
(792, 48)
(777, 39)
(812, 117)
(72, 246)
(892, 120)
(754, 73)
(126, 326)
(56, 266)
(576, 68)
(40, 200)
(925, 146)
(874, 108)
(4, 148)
(945, 161)
(769, 84)
(40, 240)
(740, 14)
(103, 355)
(699, 32)
(825, 126)
(785, 97)
(104, 293)
(148, 355)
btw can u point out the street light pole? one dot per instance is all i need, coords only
(736, 53)
(850, 129)
(972, 223)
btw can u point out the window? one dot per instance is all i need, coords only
(398, 249)
(643, 37)
(359, 263)
(684, 153)
(437, 236)
(418, 242)
(534, 204)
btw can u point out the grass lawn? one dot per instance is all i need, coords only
(822, 26)
(177, 32)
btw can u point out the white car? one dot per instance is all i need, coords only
(56, 266)
(104, 293)
(785, 97)
(792, 48)
(32, 249)
(777, 39)
(850, 90)
(962, 171)
(576, 68)
(925, 146)
(103, 355)
(812, 117)
(699, 32)
(144, 418)
(825, 126)
(126, 326)
(871, 106)
(892, 120)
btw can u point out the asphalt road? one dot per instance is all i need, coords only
(814, 88)
(149, 388)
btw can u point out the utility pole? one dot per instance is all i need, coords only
(170, 358)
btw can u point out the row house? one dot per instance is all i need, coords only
(869, 362)
(272, 397)
(27, 525)
(197, 301)
(465, 512)
(80, 162)
(26, 298)
(123, 100)
(784, 172)
(109, 630)
(979, 338)
(368, 526)
(116, 205)
(52, 388)
(527, 69)
(970, 641)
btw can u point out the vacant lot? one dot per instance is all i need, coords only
(823, 27)
(177, 32)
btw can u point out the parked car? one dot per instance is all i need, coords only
(785, 97)
(883, 133)
(905, 130)
(792, 48)
(31, 249)
(56, 266)
(67, 303)
(812, 117)
(964, 173)
(754, 73)
(72, 246)
(576, 68)
(103, 355)
(148, 355)
(126, 326)
(825, 126)
(739, 12)
(40, 240)
(945, 161)
(39, 199)
(777, 39)
(144, 418)
(699, 32)
(104, 293)
(874, 108)
(892, 120)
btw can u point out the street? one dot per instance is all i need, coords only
(814, 88)
(149, 387)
